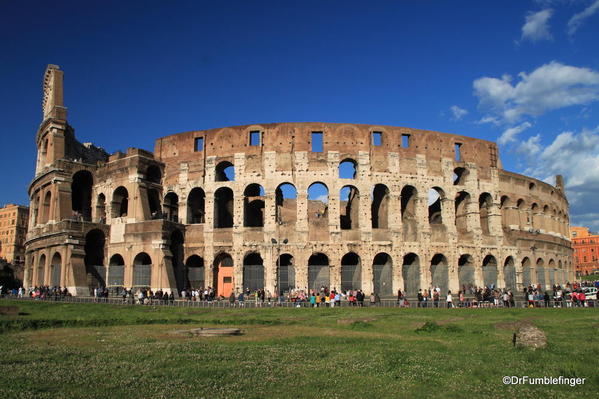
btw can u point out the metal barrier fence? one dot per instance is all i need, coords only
(252, 304)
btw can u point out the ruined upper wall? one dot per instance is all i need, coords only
(344, 138)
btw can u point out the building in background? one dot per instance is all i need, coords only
(13, 231)
(586, 250)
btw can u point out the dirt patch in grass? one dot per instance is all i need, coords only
(356, 319)
(514, 325)
(9, 310)
(448, 321)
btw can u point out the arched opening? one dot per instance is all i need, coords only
(490, 271)
(319, 276)
(94, 259)
(171, 207)
(461, 212)
(196, 206)
(351, 272)
(551, 272)
(195, 272)
(459, 176)
(176, 247)
(411, 274)
(440, 272)
(81, 195)
(536, 222)
(224, 171)
(466, 272)
(541, 273)
(318, 203)
(223, 208)
(120, 202)
(154, 203)
(435, 198)
(36, 209)
(382, 270)
(485, 202)
(116, 273)
(223, 274)
(379, 208)
(522, 214)
(101, 208)
(153, 174)
(509, 273)
(46, 207)
(526, 272)
(142, 271)
(253, 272)
(55, 270)
(506, 217)
(286, 199)
(41, 267)
(286, 276)
(349, 206)
(253, 206)
(348, 169)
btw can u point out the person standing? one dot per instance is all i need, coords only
(449, 300)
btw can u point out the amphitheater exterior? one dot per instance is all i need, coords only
(397, 208)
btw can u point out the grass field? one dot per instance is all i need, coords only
(103, 351)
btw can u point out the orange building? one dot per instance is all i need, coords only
(586, 250)
(13, 229)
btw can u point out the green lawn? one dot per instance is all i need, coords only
(103, 351)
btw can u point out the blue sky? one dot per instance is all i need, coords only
(523, 73)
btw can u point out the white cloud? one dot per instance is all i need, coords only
(458, 113)
(577, 19)
(531, 146)
(536, 27)
(576, 157)
(549, 87)
(509, 135)
(488, 119)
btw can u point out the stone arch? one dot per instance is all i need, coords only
(171, 206)
(536, 217)
(411, 273)
(47, 207)
(461, 212)
(490, 271)
(153, 174)
(142, 270)
(522, 214)
(94, 248)
(540, 277)
(439, 270)
(319, 275)
(526, 272)
(348, 169)
(506, 205)
(318, 211)
(223, 208)
(253, 272)
(253, 206)
(460, 176)
(286, 200)
(223, 274)
(379, 208)
(382, 270)
(224, 171)
(41, 267)
(55, 270)
(485, 203)
(101, 208)
(509, 273)
(81, 195)
(154, 203)
(349, 205)
(195, 272)
(177, 241)
(196, 206)
(120, 202)
(466, 273)
(436, 195)
(351, 272)
(116, 272)
(551, 272)
(286, 273)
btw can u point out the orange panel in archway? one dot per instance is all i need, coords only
(224, 281)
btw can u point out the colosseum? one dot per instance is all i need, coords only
(286, 206)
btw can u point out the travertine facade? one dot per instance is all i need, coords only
(411, 209)
(13, 229)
